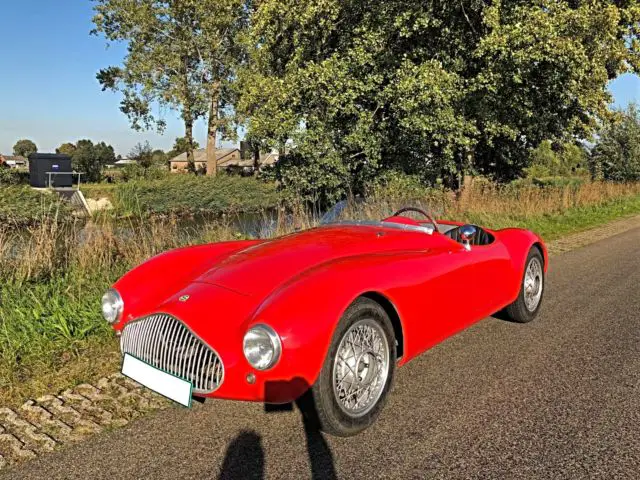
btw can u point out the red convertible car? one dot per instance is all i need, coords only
(322, 317)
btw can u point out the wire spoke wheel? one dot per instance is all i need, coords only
(361, 367)
(533, 284)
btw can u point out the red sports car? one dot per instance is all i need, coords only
(323, 316)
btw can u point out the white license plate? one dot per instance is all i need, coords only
(172, 387)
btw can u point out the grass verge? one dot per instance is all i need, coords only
(552, 226)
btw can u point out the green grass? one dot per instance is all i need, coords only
(553, 226)
(99, 190)
(22, 205)
(48, 326)
(188, 194)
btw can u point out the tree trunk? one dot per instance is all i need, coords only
(188, 133)
(212, 130)
(256, 158)
(187, 116)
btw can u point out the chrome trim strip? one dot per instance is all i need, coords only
(374, 223)
(169, 344)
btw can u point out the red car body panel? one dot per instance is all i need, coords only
(301, 284)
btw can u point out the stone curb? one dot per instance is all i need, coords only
(43, 424)
(586, 237)
(47, 422)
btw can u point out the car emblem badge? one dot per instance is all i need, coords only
(184, 298)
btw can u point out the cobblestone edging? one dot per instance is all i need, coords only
(580, 239)
(43, 424)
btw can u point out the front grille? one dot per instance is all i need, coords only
(166, 343)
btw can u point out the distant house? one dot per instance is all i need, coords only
(14, 161)
(179, 163)
(228, 159)
(247, 165)
(123, 161)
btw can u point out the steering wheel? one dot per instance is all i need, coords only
(417, 210)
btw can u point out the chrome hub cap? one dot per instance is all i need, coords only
(361, 367)
(533, 284)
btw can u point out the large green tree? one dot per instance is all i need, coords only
(182, 145)
(143, 154)
(616, 156)
(67, 148)
(89, 159)
(24, 148)
(182, 54)
(433, 87)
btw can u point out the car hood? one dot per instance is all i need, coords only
(260, 269)
(214, 313)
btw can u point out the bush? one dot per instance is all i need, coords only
(617, 154)
(134, 171)
(189, 194)
(564, 160)
(21, 205)
(10, 176)
(321, 182)
(550, 181)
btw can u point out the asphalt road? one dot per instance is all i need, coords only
(556, 398)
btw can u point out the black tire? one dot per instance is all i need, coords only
(320, 405)
(518, 310)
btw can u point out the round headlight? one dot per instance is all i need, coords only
(262, 347)
(112, 306)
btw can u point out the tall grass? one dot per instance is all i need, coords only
(22, 206)
(188, 194)
(53, 273)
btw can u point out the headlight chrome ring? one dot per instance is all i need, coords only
(262, 347)
(112, 306)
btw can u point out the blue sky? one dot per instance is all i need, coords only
(48, 90)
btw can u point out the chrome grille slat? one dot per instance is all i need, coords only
(155, 347)
(175, 368)
(166, 343)
(172, 329)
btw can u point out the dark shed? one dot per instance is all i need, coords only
(42, 163)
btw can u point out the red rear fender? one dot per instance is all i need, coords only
(519, 242)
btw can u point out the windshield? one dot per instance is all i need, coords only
(358, 209)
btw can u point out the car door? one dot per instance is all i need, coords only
(487, 278)
(451, 288)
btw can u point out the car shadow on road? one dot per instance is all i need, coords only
(245, 457)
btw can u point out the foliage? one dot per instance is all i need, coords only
(565, 160)
(133, 171)
(11, 176)
(430, 88)
(181, 145)
(187, 194)
(142, 153)
(158, 157)
(616, 156)
(22, 205)
(550, 181)
(322, 182)
(67, 148)
(180, 54)
(24, 148)
(395, 185)
(90, 159)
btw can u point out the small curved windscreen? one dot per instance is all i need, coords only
(334, 213)
(359, 209)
